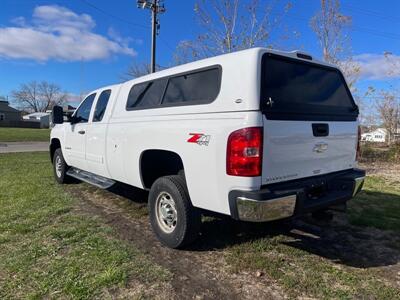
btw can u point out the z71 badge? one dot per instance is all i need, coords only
(199, 138)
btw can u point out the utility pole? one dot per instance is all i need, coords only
(156, 8)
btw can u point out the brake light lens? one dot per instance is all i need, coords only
(244, 152)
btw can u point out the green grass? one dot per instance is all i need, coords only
(24, 135)
(302, 273)
(378, 205)
(49, 249)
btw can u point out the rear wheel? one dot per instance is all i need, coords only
(60, 167)
(173, 218)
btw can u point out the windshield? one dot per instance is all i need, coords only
(292, 88)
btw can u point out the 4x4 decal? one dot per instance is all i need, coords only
(199, 138)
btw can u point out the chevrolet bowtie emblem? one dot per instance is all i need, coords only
(320, 147)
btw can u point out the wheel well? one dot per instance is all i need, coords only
(157, 163)
(54, 145)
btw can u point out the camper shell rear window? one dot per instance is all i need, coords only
(293, 89)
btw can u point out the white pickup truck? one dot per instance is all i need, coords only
(258, 135)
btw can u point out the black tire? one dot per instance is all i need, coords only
(188, 218)
(60, 175)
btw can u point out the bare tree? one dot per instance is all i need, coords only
(389, 111)
(230, 25)
(137, 70)
(38, 96)
(368, 111)
(394, 63)
(331, 28)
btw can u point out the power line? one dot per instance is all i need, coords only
(387, 35)
(114, 16)
(384, 34)
(126, 22)
(166, 44)
(371, 13)
(368, 12)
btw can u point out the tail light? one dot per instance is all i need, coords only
(358, 144)
(244, 152)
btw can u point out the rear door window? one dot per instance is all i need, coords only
(294, 89)
(101, 105)
(198, 87)
(146, 95)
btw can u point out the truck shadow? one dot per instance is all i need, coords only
(338, 241)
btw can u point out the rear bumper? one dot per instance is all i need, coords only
(297, 197)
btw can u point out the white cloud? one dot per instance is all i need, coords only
(378, 66)
(58, 33)
(20, 21)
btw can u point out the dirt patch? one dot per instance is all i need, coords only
(198, 273)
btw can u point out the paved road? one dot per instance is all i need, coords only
(10, 147)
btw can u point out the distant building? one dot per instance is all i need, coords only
(7, 113)
(378, 135)
(41, 117)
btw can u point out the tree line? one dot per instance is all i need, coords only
(232, 25)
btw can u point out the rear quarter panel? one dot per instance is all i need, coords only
(205, 165)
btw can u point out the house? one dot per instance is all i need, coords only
(41, 117)
(378, 135)
(7, 113)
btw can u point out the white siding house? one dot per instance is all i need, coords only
(42, 117)
(379, 135)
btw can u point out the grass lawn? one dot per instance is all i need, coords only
(378, 205)
(24, 135)
(51, 249)
(295, 266)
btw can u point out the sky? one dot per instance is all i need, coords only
(82, 45)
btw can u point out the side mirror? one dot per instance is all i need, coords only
(57, 115)
(72, 119)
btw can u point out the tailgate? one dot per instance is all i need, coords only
(292, 151)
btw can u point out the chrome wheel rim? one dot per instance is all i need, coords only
(166, 214)
(58, 166)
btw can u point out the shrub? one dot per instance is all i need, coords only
(393, 154)
(376, 153)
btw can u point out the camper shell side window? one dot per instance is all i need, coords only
(200, 86)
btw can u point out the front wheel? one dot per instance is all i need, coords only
(173, 218)
(60, 167)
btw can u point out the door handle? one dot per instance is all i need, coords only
(81, 131)
(320, 129)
